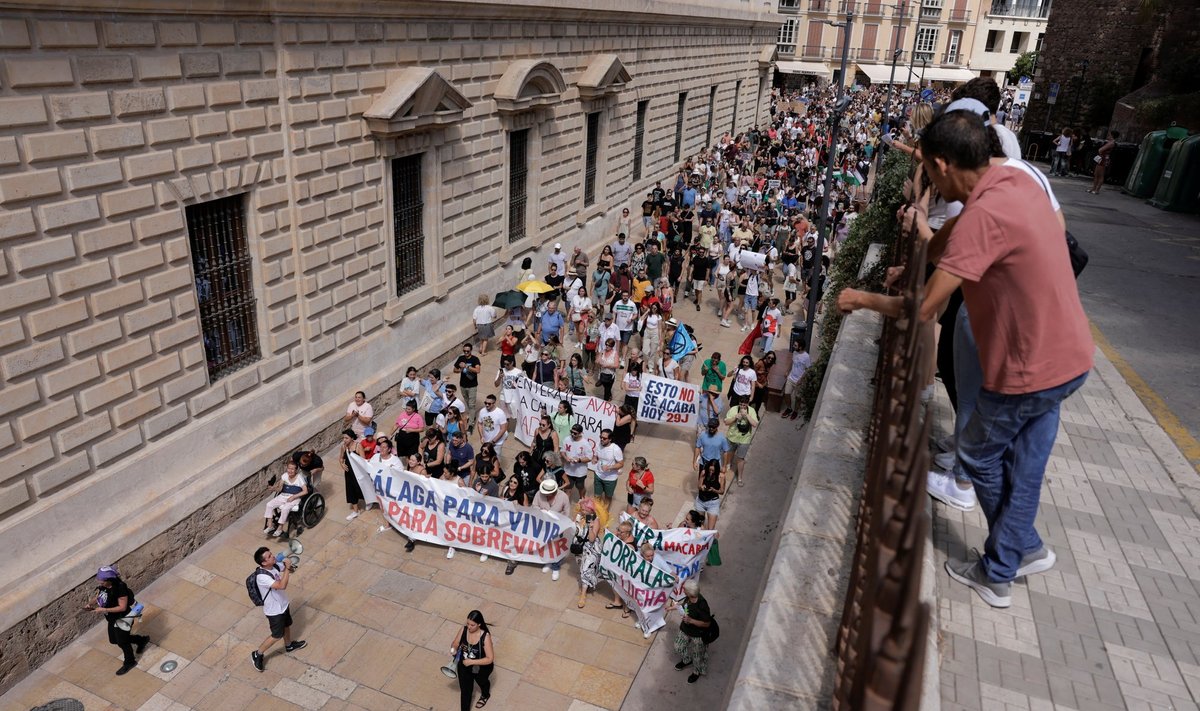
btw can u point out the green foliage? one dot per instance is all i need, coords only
(876, 224)
(1023, 67)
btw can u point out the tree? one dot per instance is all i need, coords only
(1023, 68)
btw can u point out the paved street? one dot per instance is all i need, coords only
(378, 620)
(1116, 623)
(1142, 291)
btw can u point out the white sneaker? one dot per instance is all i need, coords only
(745, 328)
(545, 569)
(483, 558)
(725, 323)
(622, 364)
(554, 575)
(277, 532)
(449, 553)
(945, 461)
(942, 487)
(268, 531)
(353, 515)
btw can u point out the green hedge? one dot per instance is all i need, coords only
(876, 224)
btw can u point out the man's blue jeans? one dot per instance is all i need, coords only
(1004, 450)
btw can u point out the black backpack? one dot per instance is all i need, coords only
(252, 589)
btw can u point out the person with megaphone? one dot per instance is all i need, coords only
(474, 660)
(272, 579)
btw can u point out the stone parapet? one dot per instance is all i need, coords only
(790, 656)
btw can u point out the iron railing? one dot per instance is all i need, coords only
(639, 138)
(593, 146)
(408, 223)
(815, 51)
(224, 286)
(518, 174)
(820, 5)
(882, 637)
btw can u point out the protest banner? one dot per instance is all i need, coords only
(446, 514)
(644, 586)
(591, 413)
(668, 401)
(752, 260)
(682, 550)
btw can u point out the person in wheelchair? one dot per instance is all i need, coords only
(292, 488)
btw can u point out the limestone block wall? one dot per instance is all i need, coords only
(112, 432)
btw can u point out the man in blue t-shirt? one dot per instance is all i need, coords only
(711, 445)
(551, 323)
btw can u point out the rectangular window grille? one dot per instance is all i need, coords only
(712, 107)
(639, 138)
(737, 95)
(593, 144)
(679, 125)
(518, 171)
(408, 223)
(224, 287)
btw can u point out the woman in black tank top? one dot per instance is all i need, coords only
(473, 646)
(433, 452)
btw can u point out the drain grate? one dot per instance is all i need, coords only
(60, 705)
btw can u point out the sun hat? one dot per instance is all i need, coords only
(549, 487)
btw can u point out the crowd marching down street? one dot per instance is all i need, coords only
(593, 345)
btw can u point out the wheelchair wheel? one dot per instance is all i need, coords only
(314, 510)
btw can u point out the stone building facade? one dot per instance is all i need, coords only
(216, 224)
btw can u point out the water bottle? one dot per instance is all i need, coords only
(279, 557)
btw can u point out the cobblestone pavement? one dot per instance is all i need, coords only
(378, 620)
(1116, 623)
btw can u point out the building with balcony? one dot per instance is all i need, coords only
(1005, 30)
(931, 36)
(219, 220)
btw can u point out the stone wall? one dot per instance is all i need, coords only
(115, 440)
(1110, 35)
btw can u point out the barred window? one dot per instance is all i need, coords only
(639, 138)
(737, 96)
(224, 289)
(408, 221)
(712, 106)
(679, 125)
(518, 171)
(593, 143)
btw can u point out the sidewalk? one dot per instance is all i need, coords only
(378, 620)
(1116, 623)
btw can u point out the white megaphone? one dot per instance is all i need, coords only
(451, 669)
(294, 551)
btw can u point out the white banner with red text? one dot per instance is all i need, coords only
(446, 514)
(643, 585)
(683, 551)
(591, 413)
(671, 402)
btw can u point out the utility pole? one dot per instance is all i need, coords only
(839, 108)
(913, 56)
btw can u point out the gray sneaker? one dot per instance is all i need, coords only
(1038, 561)
(970, 573)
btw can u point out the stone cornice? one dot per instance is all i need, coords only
(728, 14)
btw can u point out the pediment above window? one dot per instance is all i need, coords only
(766, 58)
(529, 84)
(604, 76)
(418, 99)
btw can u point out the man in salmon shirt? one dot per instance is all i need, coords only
(1008, 252)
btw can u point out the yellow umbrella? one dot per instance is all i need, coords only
(534, 286)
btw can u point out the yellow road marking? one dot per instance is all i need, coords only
(1153, 401)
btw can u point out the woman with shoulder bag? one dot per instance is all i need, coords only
(608, 360)
(697, 630)
(114, 600)
(573, 376)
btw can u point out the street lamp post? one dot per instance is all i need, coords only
(1083, 67)
(913, 56)
(839, 108)
(924, 63)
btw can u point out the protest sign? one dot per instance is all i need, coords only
(643, 585)
(682, 550)
(446, 514)
(669, 401)
(591, 413)
(752, 260)
(773, 184)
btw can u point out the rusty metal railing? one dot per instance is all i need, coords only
(881, 640)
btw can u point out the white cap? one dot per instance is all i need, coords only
(558, 245)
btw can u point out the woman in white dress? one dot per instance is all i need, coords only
(581, 314)
(652, 338)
